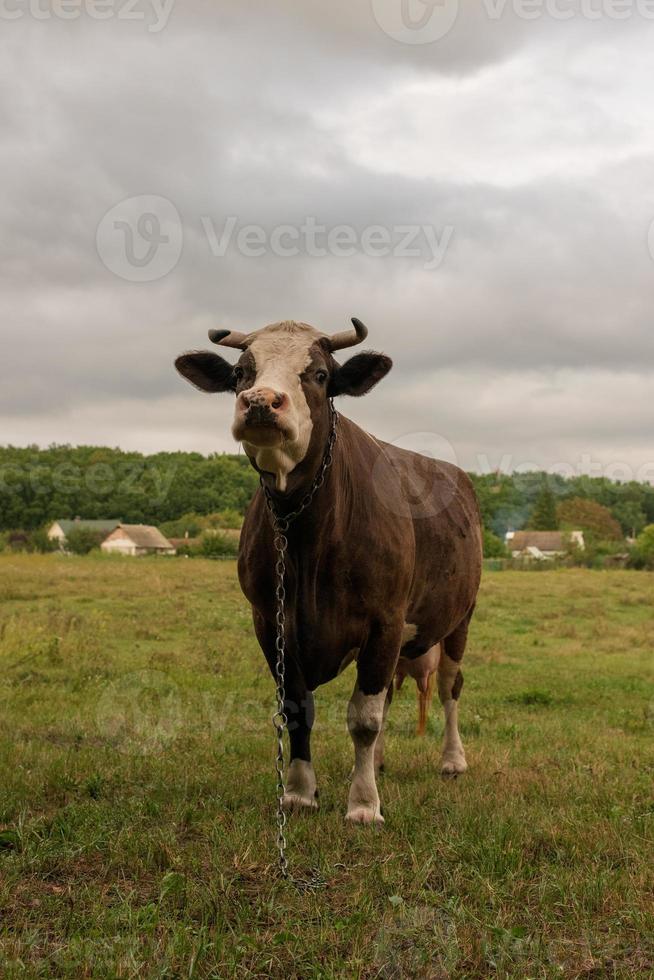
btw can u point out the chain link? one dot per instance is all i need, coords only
(280, 526)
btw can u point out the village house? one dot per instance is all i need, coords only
(137, 539)
(59, 530)
(543, 545)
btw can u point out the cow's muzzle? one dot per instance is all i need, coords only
(275, 401)
(261, 410)
(260, 415)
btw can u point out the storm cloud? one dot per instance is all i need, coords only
(483, 202)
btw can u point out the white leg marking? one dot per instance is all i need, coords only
(300, 786)
(365, 721)
(453, 760)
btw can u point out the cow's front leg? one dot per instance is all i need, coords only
(365, 719)
(366, 715)
(301, 788)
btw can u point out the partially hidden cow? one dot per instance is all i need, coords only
(383, 566)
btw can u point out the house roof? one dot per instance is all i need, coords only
(145, 536)
(543, 540)
(101, 526)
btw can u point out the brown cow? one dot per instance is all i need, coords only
(385, 561)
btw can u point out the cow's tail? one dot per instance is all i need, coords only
(425, 698)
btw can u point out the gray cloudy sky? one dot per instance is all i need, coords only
(514, 153)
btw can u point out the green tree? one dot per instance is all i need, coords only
(642, 554)
(40, 541)
(191, 524)
(543, 516)
(230, 519)
(494, 547)
(577, 514)
(81, 540)
(630, 516)
(218, 544)
(38, 486)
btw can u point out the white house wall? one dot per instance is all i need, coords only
(120, 546)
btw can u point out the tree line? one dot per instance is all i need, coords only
(38, 486)
(508, 502)
(174, 490)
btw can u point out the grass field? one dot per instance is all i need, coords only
(137, 785)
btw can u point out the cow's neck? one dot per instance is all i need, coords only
(274, 464)
(299, 481)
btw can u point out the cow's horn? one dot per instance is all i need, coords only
(348, 338)
(228, 338)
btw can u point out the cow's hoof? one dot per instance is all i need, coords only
(296, 802)
(364, 814)
(453, 765)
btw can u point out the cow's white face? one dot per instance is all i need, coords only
(282, 380)
(272, 417)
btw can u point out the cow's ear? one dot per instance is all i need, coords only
(358, 375)
(206, 371)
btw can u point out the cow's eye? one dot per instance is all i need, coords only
(321, 376)
(238, 373)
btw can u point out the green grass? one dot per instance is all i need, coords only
(137, 789)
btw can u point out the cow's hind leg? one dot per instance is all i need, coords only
(450, 682)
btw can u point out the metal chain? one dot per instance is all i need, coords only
(280, 526)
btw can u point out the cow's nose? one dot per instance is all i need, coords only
(263, 398)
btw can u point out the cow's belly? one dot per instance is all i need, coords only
(322, 660)
(444, 590)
